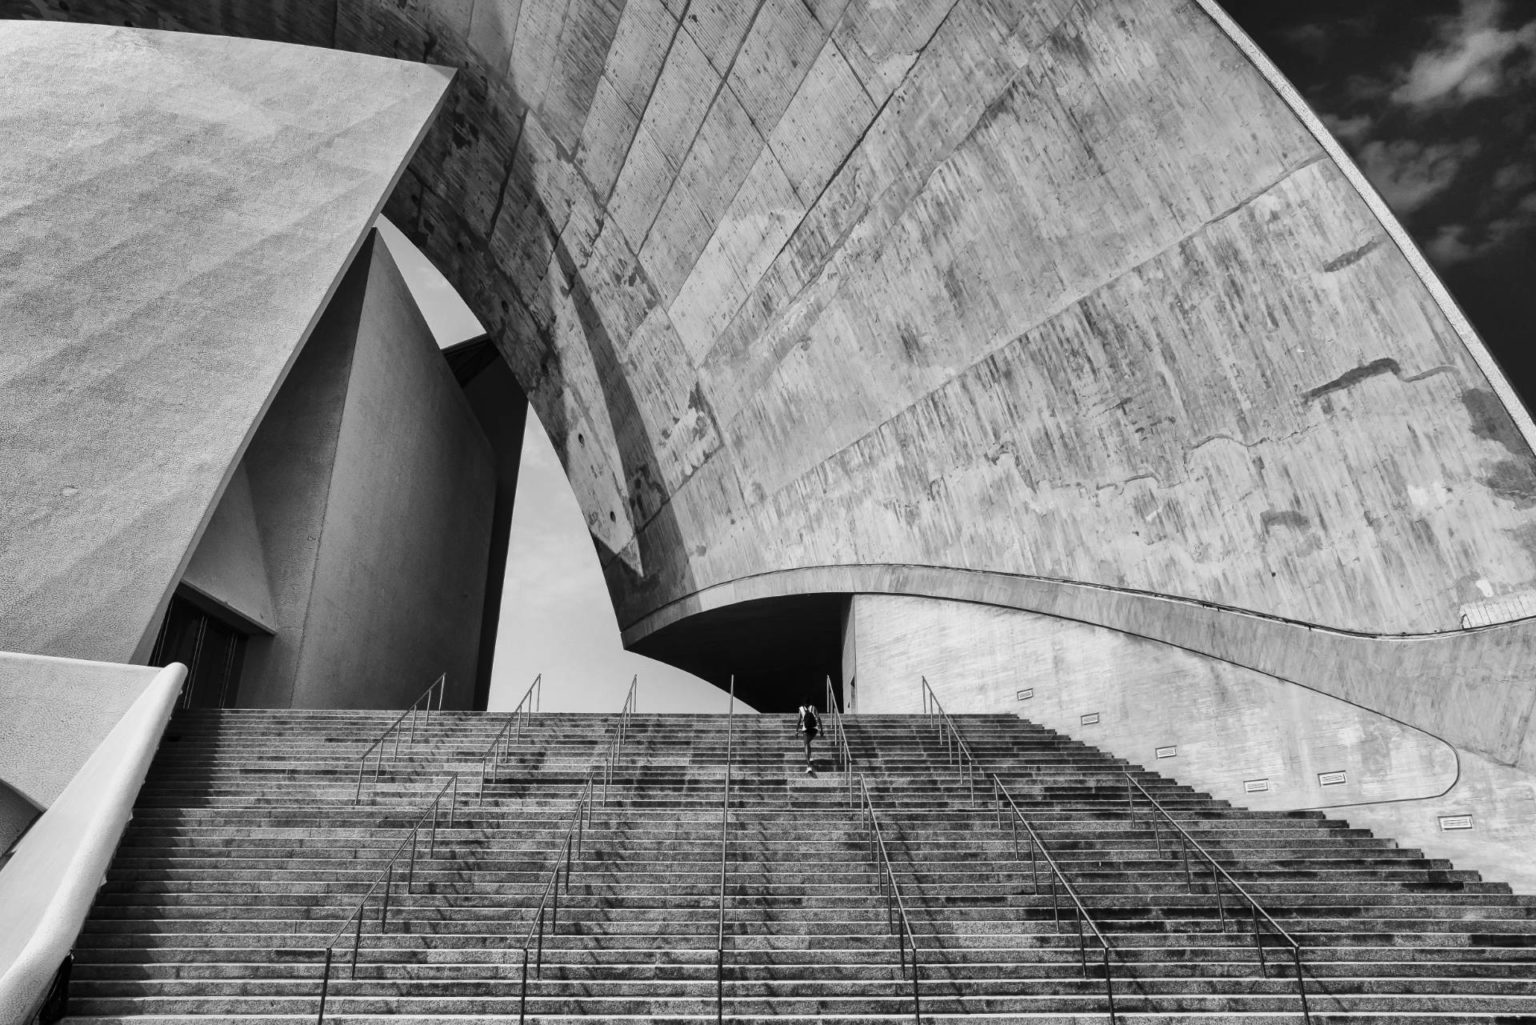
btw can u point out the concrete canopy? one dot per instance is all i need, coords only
(174, 212)
(1062, 306)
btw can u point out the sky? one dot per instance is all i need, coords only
(1436, 102)
(556, 619)
(1434, 99)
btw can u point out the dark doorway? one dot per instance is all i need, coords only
(211, 649)
(781, 650)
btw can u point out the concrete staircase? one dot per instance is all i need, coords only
(247, 852)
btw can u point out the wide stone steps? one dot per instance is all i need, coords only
(247, 852)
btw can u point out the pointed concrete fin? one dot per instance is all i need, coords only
(175, 211)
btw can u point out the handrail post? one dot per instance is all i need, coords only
(522, 1000)
(1109, 987)
(1301, 985)
(389, 881)
(357, 938)
(325, 985)
(1258, 942)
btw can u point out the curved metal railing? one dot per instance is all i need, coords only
(386, 877)
(1001, 795)
(441, 686)
(895, 907)
(1218, 875)
(500, 746)
(725, 815)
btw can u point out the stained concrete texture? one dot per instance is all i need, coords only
(175, 210)
(1071, 303)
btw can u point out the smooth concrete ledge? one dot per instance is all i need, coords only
(48, 885)
(56, 712)
(1471, 688)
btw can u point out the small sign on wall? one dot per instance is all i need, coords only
(1455, 822)
(1089, 719)
(1255, 786)
(1331, 779)
(1171, 751)
(1026, 693)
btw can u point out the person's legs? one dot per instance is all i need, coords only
(808, 739)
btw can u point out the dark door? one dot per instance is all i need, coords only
(211, 649)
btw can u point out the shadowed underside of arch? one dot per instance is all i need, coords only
(1053, 291)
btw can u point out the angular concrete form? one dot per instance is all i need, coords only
(174, 213)
(1065, 308)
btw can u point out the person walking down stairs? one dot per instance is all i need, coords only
(808, 727)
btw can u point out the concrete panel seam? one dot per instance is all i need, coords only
(1379, 209)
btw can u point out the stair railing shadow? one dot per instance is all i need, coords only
(955, 748)
(1219, 875)
(386, 878)
(725, 842)
(422, 705)
(1003, 803)
(500, 746)
(896, 915)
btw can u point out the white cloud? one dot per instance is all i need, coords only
(1409, 174)
(1472, 58)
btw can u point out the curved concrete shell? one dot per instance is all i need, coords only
(1062, 307)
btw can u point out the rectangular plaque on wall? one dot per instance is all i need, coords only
(1171, 751)
(1255, 786)
(1088, 719)
(1455, 822)
(1026, 693)
(1331, 779)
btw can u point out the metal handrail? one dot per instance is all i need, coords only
(441, 686)
(387, 877)
(1217, 874)
(581, 816)
(725, 813)
(495, 751)
(955, 748)
(895, 907)
(1000, 794)
(843, 756)
(616, 745)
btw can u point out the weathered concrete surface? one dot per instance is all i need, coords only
(1207, 723)
(1063, 303)
(174, 211)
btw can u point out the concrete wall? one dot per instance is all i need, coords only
(1068, 307)
(175, 217)
(373, 491)
(229, 568)
(400, 573)
(1221, 728)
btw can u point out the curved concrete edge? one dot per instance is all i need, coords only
(49, 884)
(1438, 292)
(1240, 736)
(1470, 688)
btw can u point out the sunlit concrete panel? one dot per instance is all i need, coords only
(174, 211)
